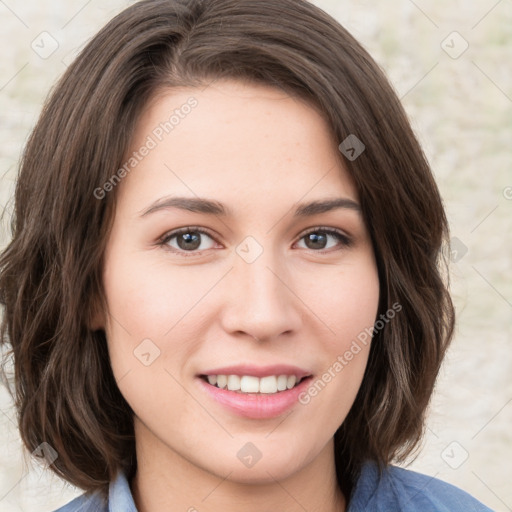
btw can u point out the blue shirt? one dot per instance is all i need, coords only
(396, 490)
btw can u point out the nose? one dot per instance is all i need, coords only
(260, 300)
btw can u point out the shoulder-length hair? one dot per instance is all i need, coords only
(50, 281)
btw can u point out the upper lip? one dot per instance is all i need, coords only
(259, 371)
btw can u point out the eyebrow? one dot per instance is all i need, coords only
(208, 206)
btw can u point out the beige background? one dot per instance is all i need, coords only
(460, 105)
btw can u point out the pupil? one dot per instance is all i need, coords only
(189, 241)
(317, 241)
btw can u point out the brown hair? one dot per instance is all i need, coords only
(50, 281)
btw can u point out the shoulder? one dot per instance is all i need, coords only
(400, 489)
(425, 491)
(85, 503)
(119, 498)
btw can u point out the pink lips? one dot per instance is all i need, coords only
(256, 405)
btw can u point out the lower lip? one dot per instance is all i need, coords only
(256, 406)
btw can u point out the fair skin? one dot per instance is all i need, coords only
(260, 153)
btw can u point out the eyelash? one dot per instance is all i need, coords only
(341, 237)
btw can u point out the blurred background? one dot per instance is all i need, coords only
(450, 63)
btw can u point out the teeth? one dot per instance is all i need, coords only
(233, 381)
(222, 380)
(250, 384)
(282, 382)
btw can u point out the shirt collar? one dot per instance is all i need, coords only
(121, 499)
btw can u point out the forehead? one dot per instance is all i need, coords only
(236, 142)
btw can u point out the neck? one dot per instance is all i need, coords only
(167, 481)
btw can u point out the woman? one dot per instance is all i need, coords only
(223, 290)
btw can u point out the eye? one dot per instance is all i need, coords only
(318, 239)
(189, 239)
(193, 240)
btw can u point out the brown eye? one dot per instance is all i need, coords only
(188, 240)
(320, 239)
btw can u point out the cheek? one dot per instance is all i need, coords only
(149, 298)
(347, 301)
(148, 303)
(349, 308)
(158, 312)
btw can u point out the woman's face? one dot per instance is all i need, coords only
(261, 276)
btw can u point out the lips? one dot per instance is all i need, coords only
(254, 406)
